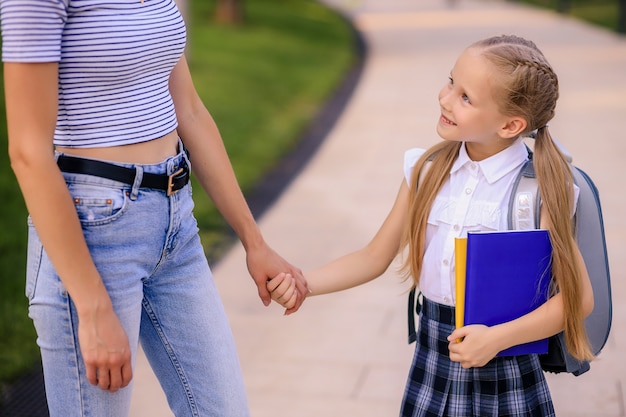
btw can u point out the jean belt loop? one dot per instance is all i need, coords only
(138, 177)
(185, 153)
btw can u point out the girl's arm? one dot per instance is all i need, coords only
(481, 343)
(31, 95)
(358, 267)
(213, 169)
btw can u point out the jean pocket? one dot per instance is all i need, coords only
(97, 205)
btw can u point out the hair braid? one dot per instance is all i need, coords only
(544, 78)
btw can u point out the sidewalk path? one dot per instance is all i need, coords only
(346, 354)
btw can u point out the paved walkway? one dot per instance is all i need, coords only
(346, 354)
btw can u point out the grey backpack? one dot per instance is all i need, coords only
(524, 213)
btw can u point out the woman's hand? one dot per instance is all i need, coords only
(105, 349)
(265, 264)
(472, 346)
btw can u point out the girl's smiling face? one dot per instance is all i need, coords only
(469, 107)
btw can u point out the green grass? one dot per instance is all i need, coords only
(18, 350)
(599, 12)
(263, 82)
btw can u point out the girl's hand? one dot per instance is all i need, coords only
(263, 264)
(472, 346)
(283, 290)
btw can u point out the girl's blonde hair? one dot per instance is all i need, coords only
(530, 89)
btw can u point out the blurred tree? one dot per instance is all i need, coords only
(229, 11)
(563, 6)
(621, 22)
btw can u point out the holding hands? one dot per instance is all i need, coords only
(263, 263)
(284, 291)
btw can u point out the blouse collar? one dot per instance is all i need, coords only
(497, 166)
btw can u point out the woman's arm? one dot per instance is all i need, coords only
(213, 169)
(31, 95)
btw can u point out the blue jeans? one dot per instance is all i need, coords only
(148, 252)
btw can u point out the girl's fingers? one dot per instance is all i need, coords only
(273, 283)
(292, 300)
(286, 290)
(283, 289)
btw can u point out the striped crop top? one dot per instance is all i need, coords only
(115, 58)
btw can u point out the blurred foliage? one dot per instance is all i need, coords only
(264, 82)
(603, 13)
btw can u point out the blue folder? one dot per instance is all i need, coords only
(507, 276)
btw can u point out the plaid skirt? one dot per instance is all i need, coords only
(506, 386)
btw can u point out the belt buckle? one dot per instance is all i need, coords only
(170, 182)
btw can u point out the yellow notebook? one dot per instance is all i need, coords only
(460, 255)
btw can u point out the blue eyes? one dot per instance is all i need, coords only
(464, 96)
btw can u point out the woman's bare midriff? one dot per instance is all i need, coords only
(151, 152)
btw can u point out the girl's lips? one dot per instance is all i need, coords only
(446, 121)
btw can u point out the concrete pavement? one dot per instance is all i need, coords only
(346, 354)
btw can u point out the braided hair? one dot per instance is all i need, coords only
(530, 85)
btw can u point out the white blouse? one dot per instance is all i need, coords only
(474, 198)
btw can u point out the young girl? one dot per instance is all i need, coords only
(500, 90)
(114, 253)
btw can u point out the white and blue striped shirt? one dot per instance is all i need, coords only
(115, 58)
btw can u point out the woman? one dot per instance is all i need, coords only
(114, 252)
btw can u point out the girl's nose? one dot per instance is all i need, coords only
(444, 98)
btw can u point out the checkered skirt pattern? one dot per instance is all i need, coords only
(506, 386)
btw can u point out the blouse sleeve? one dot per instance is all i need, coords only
(410, 158)
(32, 29)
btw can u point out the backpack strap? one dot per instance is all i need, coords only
(412, 311)
(415, 308)
(525, 202)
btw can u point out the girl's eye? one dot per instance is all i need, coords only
(450, 81)
(465, 98)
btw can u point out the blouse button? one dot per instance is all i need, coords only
(468, 191)
(456, 227)
(446, 262)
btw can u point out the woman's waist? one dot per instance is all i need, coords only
(170, 173)
(149, 152)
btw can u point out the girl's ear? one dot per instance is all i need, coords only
(513, 128)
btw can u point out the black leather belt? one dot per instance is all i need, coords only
(168, 183)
